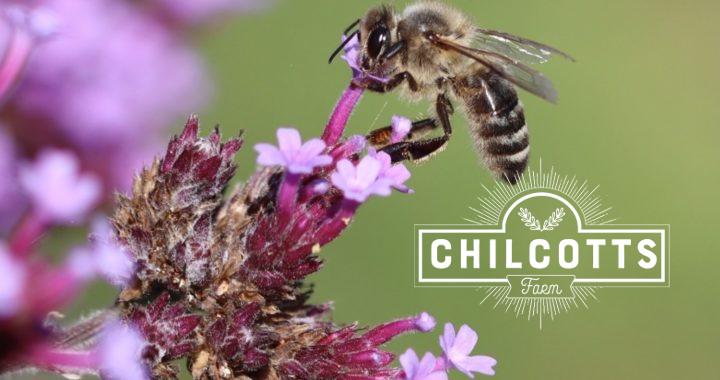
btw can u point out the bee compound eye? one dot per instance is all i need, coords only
(377, 39)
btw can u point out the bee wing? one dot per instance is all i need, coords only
(517, 48)
(513, 70)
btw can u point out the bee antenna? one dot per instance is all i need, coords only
(342, 45)
(349, 28)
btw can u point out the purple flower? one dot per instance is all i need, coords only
(359, 182)
(416, 369)
(199, 11)
(100, 85)
(12, 283)
(457, 350)
(397, 174)
(120, 352)
(400, 128)
(292, 154)
(352, 56)
(56, 187)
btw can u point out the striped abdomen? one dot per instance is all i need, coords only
(497, 122)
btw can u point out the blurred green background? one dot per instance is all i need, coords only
(638, 115)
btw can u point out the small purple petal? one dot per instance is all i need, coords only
(289, 140)
(480, 364)
(311, 149)
(112, 260)
(400, 128)
(269, 155)
(425, 322)
(426, 368)
(367, 171)
(346, 169)
(465, 341)
(448, 337)
(457, 349)
(396, 175)
(120, 353)
(409, 362)
(416, 369)
(352, 54)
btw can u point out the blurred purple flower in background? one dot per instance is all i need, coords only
(112, 78)
(103, 256)
(216, 280)
(199, 11)
(57, 189)
(105, 79)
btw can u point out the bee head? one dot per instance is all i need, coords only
(376, 30)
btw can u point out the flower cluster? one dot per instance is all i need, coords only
(91, 77)
(212, 279)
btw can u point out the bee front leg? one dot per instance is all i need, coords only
(376, 85)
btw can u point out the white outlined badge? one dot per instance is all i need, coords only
(540, 248)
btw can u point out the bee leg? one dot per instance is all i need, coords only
(382, 87)
(416, 151)
(423, 149)
(381, 137)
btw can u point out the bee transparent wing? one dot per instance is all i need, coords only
(513, 70)
(514, 47)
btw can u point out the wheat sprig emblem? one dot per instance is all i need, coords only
(549, 224)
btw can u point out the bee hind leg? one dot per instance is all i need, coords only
(381, 137)
(424, 149)
(416, 151)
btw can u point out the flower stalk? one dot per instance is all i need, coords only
(287, 197)
(341, 114)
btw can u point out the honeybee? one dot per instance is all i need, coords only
(433, 51)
